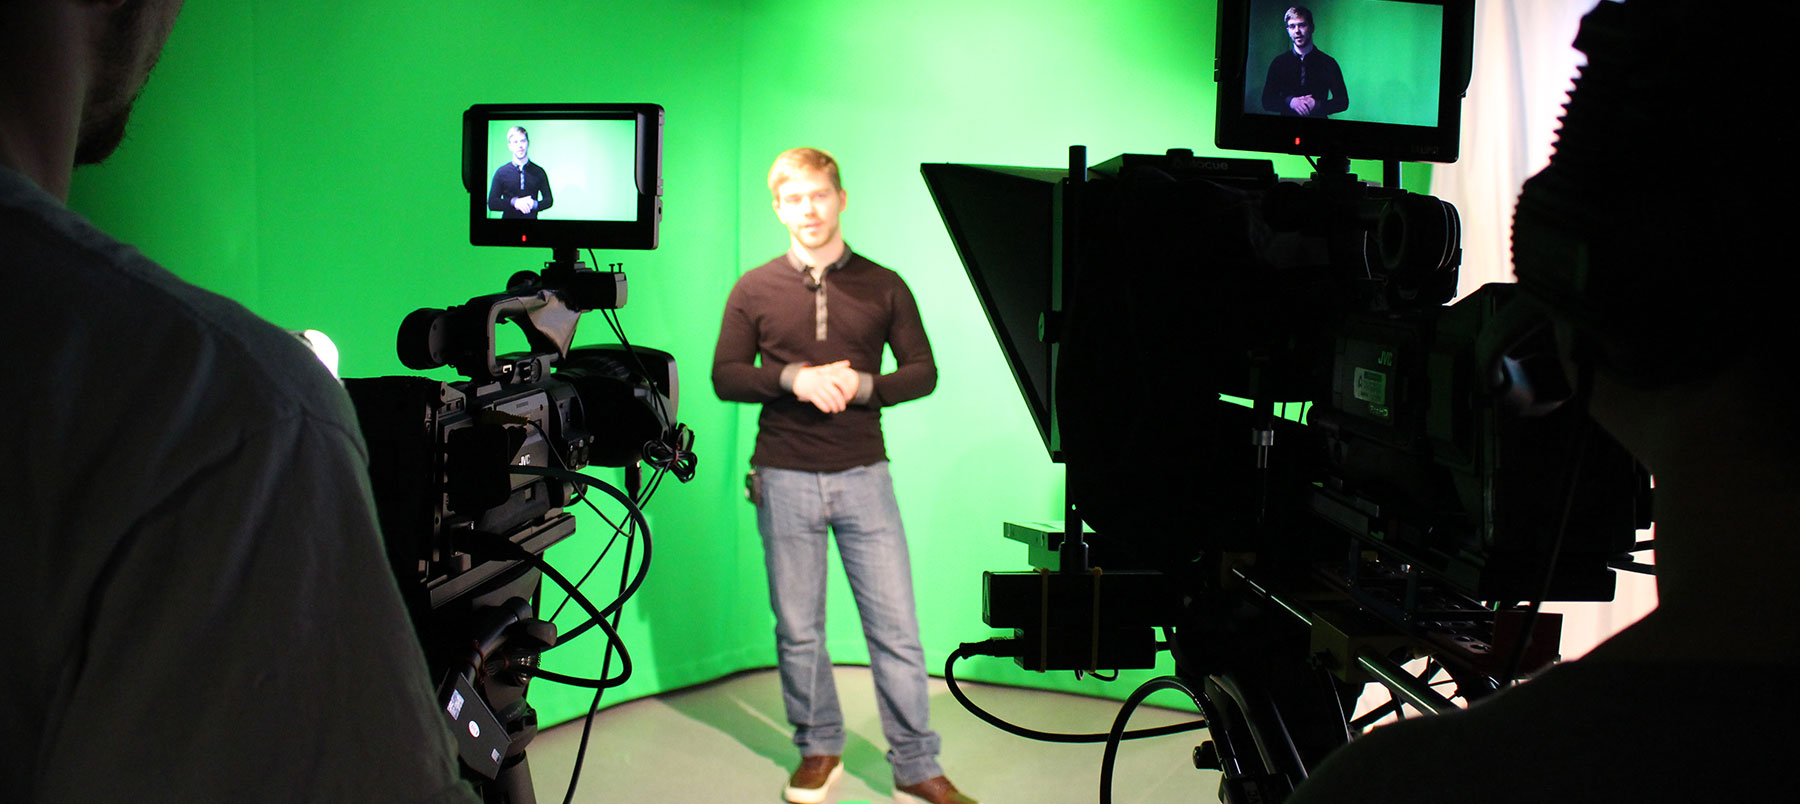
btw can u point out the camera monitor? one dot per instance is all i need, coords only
(564, 175)
(1366, 79)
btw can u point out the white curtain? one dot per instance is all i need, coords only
(1524, 67)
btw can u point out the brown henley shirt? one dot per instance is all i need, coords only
(770, 327)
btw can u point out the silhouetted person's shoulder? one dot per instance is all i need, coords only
(1591, 730)
(212, 613)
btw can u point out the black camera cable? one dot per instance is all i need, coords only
(587, 724)
(673, 452)
(581, 496)
(627, 589)
(614, 641)
(1003, 647)
(676, 457)
(1112, 738)
(637, 519)
(1118, 733)
(506, 548)
(604, 551)
(499, 547)
(595, 616)
(617, 531)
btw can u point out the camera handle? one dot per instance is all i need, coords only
(546, 308)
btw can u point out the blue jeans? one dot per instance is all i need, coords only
(798, 513)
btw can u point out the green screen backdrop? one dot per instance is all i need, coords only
(303, 158)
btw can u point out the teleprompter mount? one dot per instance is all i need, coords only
(1371, 476)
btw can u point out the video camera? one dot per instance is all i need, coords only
(1369, 476)
(471, 477)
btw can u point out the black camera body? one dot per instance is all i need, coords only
(445, 455)
(441, 454)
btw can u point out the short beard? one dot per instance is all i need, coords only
(115, 89)
(100, 138)
(825, 236)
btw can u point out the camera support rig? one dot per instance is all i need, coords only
(467, 509)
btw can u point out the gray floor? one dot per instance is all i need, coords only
(727, 742)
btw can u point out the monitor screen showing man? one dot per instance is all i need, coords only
(593, 161)
(1310, 61)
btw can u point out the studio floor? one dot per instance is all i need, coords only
(727, 742)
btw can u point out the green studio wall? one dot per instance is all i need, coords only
(302, 157)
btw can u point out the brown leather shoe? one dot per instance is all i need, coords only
(931, 791)
(813, 779)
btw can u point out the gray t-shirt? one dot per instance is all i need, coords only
(200, 605)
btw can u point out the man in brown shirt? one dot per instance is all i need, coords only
(803, 336)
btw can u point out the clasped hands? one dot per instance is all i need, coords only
(524, 203)
(829, 387)
(1302, 104)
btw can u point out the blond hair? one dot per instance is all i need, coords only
(794, 161)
